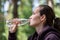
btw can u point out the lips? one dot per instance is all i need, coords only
(30, 19)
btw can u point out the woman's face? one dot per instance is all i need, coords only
(35, 18)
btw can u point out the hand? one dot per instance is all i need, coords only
(14, 25)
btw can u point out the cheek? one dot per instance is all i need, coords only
(35, 20)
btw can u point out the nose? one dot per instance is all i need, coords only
(30, 17)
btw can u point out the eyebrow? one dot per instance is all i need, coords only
(33, 13)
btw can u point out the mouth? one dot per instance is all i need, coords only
(30, 20)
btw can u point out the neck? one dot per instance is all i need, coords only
(39, 28)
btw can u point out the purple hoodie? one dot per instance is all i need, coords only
(48, 33)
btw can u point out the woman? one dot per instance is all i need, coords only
(42, 20)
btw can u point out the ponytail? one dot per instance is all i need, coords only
(57, 23)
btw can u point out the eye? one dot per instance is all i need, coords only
(33, 13)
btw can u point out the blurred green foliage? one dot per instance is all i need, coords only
(24, 11)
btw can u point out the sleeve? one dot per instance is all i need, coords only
(12, 36)
(52, 37)
(30, 37)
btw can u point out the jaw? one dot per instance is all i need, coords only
(35, 24)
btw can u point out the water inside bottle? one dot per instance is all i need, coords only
(23, 22)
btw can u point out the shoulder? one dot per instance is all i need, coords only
(30, 37)
(52, 36)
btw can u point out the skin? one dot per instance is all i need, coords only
(36, 20)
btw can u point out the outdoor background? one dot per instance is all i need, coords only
(22, 9)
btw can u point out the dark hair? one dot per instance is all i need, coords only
(48, 11)
(57, 23)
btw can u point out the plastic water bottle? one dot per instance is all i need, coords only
(22, 22)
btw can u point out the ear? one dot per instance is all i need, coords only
(43, 17)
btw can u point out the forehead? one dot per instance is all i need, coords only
(36, 10)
